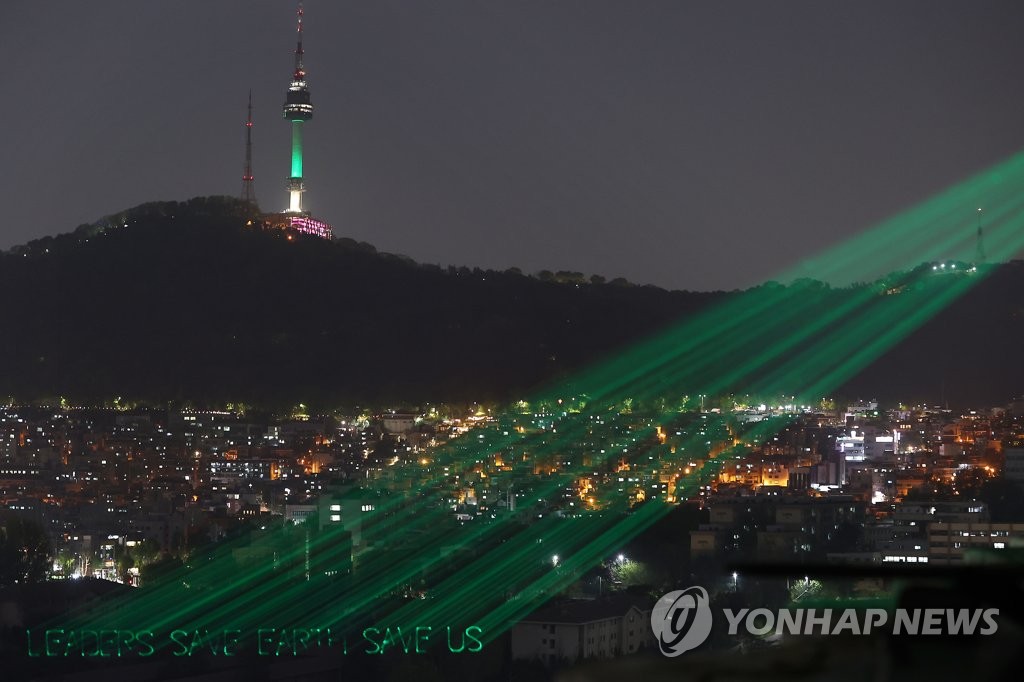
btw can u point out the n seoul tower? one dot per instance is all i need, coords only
(298, 109)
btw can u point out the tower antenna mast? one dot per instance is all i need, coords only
(248, 191)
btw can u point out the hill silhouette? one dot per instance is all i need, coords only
(183, 301)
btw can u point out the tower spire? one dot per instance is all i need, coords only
(300, 73)
(248, 191)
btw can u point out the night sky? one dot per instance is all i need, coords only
(686, 144)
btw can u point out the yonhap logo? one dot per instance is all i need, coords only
(681, 620)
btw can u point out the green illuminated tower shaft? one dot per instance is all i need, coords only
(296, 150)
(298, 109)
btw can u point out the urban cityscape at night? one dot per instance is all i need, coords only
(571, 342)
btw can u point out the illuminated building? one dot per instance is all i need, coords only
(1013, 469)
(949, 543)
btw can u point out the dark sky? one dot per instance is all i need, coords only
(685, 144)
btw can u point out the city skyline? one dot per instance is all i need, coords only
(686, 146)
(236, 442)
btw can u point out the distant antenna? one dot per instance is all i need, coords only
(248, 191)
(979, 253)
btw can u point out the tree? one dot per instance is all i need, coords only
(24, 550)
(802, 589)
(971, 481)
(1004, 500)
(123, 559)
(146, 552)
(629, 573)
(160, 571)
(934, 488)
(570, 277)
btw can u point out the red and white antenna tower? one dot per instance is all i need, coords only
(248, 191)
